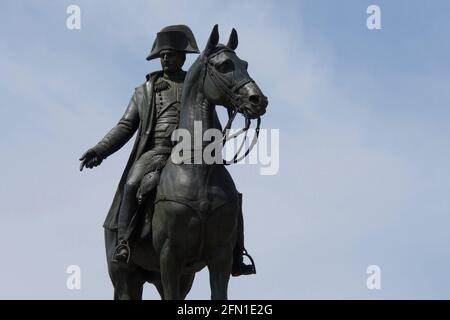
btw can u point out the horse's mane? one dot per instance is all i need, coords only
(192, 79)
(193, 72)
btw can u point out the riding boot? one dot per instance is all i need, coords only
(128, 207)
(239, 267)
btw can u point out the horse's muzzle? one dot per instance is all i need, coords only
(254, 102)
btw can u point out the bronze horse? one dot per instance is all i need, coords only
(194, 222)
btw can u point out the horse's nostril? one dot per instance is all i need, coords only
(264, 102)
(254, 99)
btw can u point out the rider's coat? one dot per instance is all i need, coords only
(139, 116)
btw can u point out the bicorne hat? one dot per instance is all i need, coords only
(176, 37)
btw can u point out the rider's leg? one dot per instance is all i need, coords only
(239, 267)
(128, 207)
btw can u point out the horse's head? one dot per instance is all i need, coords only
(226, 80)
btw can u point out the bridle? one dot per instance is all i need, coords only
(233, 100)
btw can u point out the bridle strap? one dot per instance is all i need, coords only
(220, 83)
(252, 144)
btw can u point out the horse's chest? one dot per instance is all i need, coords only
(195, 186)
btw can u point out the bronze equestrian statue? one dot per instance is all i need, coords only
(167, 221)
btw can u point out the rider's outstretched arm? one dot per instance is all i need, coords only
(121, 133)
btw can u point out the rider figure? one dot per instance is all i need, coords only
(154, 112)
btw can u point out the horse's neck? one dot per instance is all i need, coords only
(197, 113)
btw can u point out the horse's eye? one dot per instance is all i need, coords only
(226, 66)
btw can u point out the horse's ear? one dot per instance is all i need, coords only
(213, 39)
(233, 41)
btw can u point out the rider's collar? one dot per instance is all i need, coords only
(177, 76)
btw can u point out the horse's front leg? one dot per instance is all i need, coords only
(176, 239)
(171, 269)
(219, 266)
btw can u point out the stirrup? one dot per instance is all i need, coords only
(245, 253)
(122, 244)
(240, 268)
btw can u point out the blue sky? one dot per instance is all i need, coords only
(364, 142)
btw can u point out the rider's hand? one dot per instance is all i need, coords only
(90, 159)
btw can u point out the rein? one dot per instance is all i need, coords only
(221, 84)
